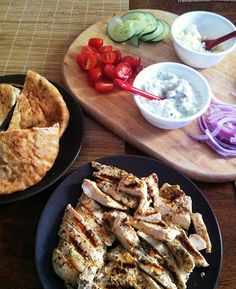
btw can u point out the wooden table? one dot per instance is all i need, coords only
(44, 26)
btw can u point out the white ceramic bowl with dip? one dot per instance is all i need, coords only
(194, 78)
(210, 26)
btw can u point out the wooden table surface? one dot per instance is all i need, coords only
(42, 48)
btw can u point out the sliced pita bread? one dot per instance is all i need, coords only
(26, 155)
(40, 105)
(8, 96)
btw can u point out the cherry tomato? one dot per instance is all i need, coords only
(108, 57)
(133, 61)
(95, 43)
(87, 61)
(87, 49)
(123, 70)
(104, 86)
(94, 75)
(109, 71)
(118, 55)
(135, 73)
(105, 48)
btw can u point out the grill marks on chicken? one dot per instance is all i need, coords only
(149, 223)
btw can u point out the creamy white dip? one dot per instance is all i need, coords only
(180, 98)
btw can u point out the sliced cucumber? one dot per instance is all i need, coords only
(139, 17)
(150, 24)
(150, 36)
(164, 33)
(134, 41)
(120, 31)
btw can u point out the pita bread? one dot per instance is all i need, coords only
(40, 105)
(25, 156)
(8, 96)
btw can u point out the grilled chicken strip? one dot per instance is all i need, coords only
(133, 186)
(197, 242)
(168, 258)
(199, 260)
(82, 243)
(158, 231)
(85, 280)
(108, 173)
(152, 182)
(91, 189)
(150, 216)
(112, 190)
(64, 269)
(201, 230)
(172, 212)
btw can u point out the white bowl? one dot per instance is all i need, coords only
(182, 71)
(210, 26)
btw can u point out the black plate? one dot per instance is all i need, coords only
(70, 143)
(69, 191)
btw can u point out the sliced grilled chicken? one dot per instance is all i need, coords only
(197, 242)
(201, 230)
(123, 230)
(85, 280)
(152, 182)
(199, 260)
(158, 231)
(102, 230)
(150, 216)
(82, 243)
(112, 190)
(168, 258)
(172, 212)
(184, 259)
(72, 255)
(91, 189)
(63, 268)
(151, 284)
(108, 173)
(133, 186)
(79, 223)
(121, 256)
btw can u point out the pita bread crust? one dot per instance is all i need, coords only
(25, 156)
(8, 95)
(39, 105)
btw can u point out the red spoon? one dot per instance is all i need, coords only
(209, 44)
(127, 86)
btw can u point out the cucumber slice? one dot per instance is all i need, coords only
(120, 31)
(139, 17)
(150, 36)
(149, 25)
(134, 41)
(164, 33)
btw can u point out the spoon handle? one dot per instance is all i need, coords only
(127, 86)
(214, 42)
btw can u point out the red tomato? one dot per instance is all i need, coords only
(104, 86)
(123, 70)
(109, 71)
(95, 43)
(94, 75)
(135, 73)
(87, 61)
(133, 61)
(105, 48)
(118, 55)
(108, 57)
(87, 49)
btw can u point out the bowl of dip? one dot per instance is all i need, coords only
(190, 29)
(186, 94)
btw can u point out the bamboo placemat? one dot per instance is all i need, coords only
(35, 34)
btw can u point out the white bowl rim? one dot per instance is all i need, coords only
(204, 53)
(184, 119)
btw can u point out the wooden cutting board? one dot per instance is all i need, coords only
(118, 112)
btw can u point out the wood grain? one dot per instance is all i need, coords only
(119, 113)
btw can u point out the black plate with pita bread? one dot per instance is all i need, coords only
(70, 143)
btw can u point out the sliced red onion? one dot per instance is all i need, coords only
(218, 125)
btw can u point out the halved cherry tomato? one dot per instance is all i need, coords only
(123, 70)
(105, 48)
(94, 75)
(95, 43)
(109, 71)
(133, 61)
(104, 86)
(118, 55)
(135, 73)
(87, 49)
(108, 57)
(87, 61)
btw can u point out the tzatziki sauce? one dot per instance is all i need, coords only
(180, 98)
